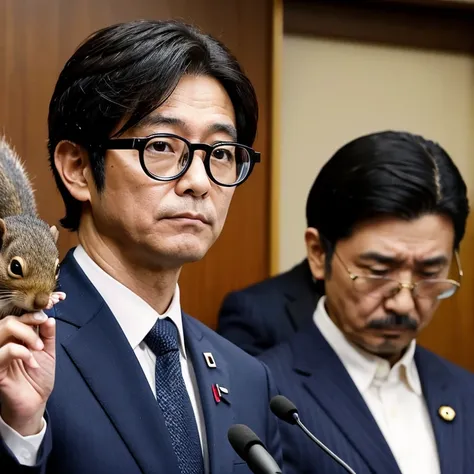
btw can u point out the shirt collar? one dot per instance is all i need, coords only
(135, 316)
(365, 368)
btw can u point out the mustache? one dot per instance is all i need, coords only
(394, 321)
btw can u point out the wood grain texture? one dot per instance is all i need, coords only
(450, 333)
(36, 39)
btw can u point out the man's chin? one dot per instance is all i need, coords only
(191, 257)
(376, 343)
(386, 348)
(183, 255)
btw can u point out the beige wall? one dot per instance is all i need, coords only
(334, 91)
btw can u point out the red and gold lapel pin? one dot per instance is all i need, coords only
(216, 393)
(219, 393)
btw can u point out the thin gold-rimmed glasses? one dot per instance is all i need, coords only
(383, 287)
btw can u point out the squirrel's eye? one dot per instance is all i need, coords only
(15, 269)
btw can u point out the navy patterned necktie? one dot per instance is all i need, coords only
(173, 398)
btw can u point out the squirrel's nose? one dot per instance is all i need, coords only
(41, 301)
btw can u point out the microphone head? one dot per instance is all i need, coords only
(284, 409)
(242, 438)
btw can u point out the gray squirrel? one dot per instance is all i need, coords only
(29, 257)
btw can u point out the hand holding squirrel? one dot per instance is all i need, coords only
(27, 368)
(29, 268)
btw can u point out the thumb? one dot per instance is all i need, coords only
(47, 332)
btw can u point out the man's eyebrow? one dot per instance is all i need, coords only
(389, 260)
(433, 261)
(224, 128)
(380, 258)
(154, 120)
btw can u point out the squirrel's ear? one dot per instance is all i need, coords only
(3, 229)
(54, 232)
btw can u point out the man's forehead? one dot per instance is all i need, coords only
(427, 227)
(201, 93)
(197, 105)
(161, 117)
(402, 239)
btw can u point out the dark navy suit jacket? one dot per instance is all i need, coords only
(308, 371)
(102, 415)
(263, 315)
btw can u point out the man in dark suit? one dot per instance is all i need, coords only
(150, 130)
(263, 315)
(384, 241)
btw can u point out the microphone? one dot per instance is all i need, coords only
(251, 449)
(286, 410)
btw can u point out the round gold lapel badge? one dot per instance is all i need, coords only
(446, 413)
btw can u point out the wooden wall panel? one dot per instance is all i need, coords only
(450, 334)
(36, 39)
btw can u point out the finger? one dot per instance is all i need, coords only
(12, 351)
(55, 298)
(15, 328)
(60, 295)
(32, 319)
(47, 332)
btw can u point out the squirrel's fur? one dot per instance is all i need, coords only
(28, 252)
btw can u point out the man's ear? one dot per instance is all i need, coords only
(72, 165)
(315, 253)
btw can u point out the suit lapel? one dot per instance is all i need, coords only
(218, 416)
(302, 295)
(440, 390)
(301, 309)
(326, 379)
(110, 368)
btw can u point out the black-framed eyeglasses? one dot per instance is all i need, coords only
(166, 157)
(384, 287)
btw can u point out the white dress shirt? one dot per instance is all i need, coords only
(136, 318)
(393, 395)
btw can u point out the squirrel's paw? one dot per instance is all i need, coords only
(55, 297)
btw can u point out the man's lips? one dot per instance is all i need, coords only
(190, 216)
(392, 331)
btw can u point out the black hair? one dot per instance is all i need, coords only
(121, 73)
(387, 173)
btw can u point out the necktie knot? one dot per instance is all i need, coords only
(163, 337)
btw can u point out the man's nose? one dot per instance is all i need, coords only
(196, 180)
(402, 302)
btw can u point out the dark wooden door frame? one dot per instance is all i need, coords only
(442, 25)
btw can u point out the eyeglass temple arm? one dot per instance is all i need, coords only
(458, 263)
